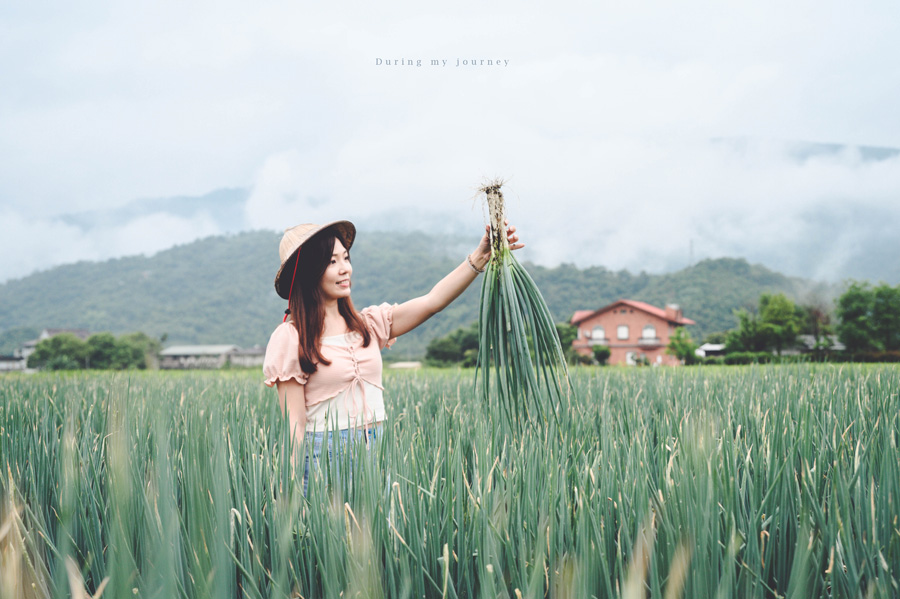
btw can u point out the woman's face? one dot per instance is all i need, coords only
(335, 282)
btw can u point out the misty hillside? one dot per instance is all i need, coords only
(219, 290)
(830, 215)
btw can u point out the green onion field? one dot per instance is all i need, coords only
(713, 482)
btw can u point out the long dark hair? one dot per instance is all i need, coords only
(306, 306)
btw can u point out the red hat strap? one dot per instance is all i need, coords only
(291, 292)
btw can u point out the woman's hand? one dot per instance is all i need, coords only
(482, 254)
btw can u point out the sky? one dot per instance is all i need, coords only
(643, 136)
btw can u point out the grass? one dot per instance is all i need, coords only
(758, 481)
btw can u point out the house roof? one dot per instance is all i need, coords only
(198, 350)
(581, 315)
(712, 347)
(256, 350)
(80, 333)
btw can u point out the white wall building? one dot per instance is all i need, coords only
(186, 357)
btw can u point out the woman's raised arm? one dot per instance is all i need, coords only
(414, 312)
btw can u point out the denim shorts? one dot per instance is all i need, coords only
(334, 444)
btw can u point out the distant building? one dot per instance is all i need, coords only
(710, 350)
(248, 358)
(414, 365)
(634, 331)
(807, 344)
(187, 357)
(82, 334)
(12, 363)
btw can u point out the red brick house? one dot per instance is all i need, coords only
(632, 331)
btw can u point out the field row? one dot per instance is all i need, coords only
(716, 482)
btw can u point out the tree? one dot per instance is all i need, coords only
(748, 336)
(870, 317)
(566, 333)
(885, 317)
(101, 349)
(136, 350)
(854, 309)
(682, 346)
(443, 351)
(60, 352)
(133, 350)
(601, 354)
(775, 328)
(717, 337)
(459, 347)
(779, 323)
(814, 319)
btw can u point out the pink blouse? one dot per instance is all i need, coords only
(349, 367)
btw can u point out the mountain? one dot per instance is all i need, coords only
(814, 210)
(224, 207)
(220, 290)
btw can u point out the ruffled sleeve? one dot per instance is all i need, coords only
(378, 321)
(282, 362)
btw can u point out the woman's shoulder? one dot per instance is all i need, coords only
(285, 333)
(378, 319)
(281, 362)
(285, 328)
(378, 314)
(383, 308)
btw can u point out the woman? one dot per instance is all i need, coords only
(326, 360)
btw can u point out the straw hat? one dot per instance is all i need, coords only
(293, 240)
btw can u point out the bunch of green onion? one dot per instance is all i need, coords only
(518, 340)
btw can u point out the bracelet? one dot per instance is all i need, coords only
(474, 268)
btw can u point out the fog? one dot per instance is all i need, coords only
(639, 137)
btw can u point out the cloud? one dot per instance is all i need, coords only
(633, 203)
(629, 202)
(288, 190)
(601, 121)
(108, 103)
(756, 203)
(155, 232)
(39, 244)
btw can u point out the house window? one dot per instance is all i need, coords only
(649, 332)
(631, 358)
(598, 333)
(622, 331)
